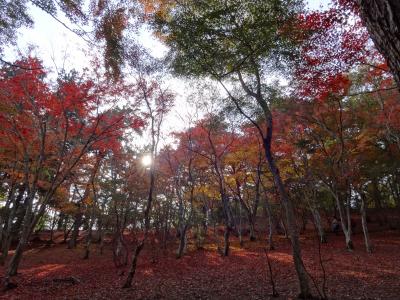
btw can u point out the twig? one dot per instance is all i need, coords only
(19, 66)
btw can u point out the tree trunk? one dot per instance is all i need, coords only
(346, 225)
(89, 236)
(27, 228)
(349, 241)
(251, 227)
(270, 225)
(269, 214)
(75, 231)
(182, 242)
(61, 218)
(382, 19)
(132, 268)
(240, 226)
(318, 224)
(138, 249)
(376, 194)
(290, 216)
(226, 240)
(363, 212)
(8, 230)
(6, 210)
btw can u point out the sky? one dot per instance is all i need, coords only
(56, 45)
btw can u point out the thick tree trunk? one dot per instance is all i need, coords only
(182, 242)
(53, 224)
(75, 230)
(27, 228)
(382, 19)
(251, 227)
(6, 211)
(61, 219)
(226, 240)
(376, 194)
(8, 230)
(12, 268)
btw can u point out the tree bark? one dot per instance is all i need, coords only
(290, 216)
(132, 268)
(226, 240)
(363, 212)
(382, 19)
(270, 224)
(182, 241)
(61, 219)
(346, 225)
(8, 230)
(27, 228)
(318, 224)
(75, 231)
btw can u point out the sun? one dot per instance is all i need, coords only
(146, 160)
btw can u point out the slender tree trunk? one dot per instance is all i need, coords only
(346, 226)
(89, 236)
(363, 212)
(271, 228)
(132, 269)
(240, 226)
(305, 291)
(139, 247)
(318, 224)
(270, 216)
(349, 241)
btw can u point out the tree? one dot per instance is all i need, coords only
(157, 103)
(50, 132)
(238, 40)
(382, 20)
(180, 165)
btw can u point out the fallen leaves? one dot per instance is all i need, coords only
(49, 273)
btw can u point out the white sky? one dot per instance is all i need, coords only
(55, 44)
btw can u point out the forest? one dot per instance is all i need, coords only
(252, 151)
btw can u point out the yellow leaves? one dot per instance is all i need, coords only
(207, 190)
(61, 193)
(68, 208)
(88, 200)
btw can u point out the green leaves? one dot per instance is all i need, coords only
(220, 37)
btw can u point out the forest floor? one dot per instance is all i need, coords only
(204, 274)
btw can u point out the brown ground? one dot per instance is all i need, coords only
(205, 275)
